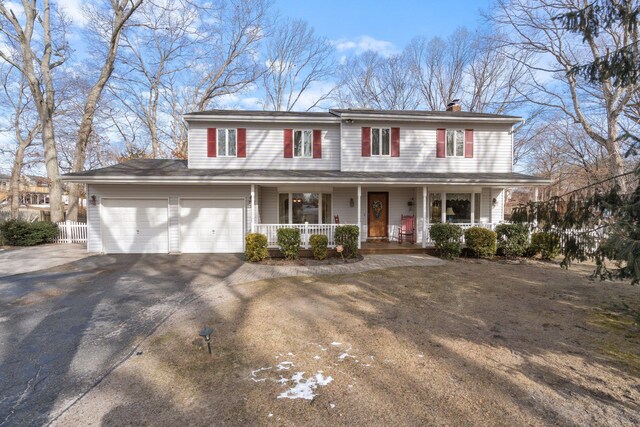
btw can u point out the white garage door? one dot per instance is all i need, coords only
(211, 226)
(134, 226)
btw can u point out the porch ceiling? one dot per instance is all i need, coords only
(176, 171)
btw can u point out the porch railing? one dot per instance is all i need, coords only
(306, 230)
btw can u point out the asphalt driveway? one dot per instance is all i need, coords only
(63, 328)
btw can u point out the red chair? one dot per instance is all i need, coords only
(336, 219)
(407, 229)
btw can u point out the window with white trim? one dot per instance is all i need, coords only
(302, 143)
(455, 143)
(299, 208)
(227, 142)
(380, 141)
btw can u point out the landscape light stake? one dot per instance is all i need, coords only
(206, 334)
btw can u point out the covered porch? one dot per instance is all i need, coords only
(377, 210)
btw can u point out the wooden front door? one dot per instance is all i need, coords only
(378, 215)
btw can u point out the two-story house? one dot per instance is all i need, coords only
(257, 171)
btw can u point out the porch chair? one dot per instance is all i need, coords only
(336, 219)
(407, 229)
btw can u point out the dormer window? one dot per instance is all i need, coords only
(380, 141)
(455, 143)
(227, 143)
(302, 143)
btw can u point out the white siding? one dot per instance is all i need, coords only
(265, 147)
(173, 192)
(492, 149)
(497, 211)
(485, 205)
(342, 204)
(269, 211)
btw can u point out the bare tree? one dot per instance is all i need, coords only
(36, 48)
(108, 22)
(296, 60)
(597, 106)
(371, 80)
(25, 128)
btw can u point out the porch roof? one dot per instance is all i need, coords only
(167, 171)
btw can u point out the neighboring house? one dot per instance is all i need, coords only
(257, 171)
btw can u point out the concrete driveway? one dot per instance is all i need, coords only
(64, 328)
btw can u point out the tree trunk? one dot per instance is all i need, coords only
(53, 173)
(616, 161)
(14, 184)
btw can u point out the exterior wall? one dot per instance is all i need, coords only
(265, 147)
(172, 192)
(497, 211)
(492, 149)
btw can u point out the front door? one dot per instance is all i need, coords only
(378, 215)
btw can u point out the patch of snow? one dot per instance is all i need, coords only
(270, 414)
(254, 373)
(316, 357)
(332, 405)
(336, 344)
(304, 389)
(346, 354)
(290, 354)
(285, 366)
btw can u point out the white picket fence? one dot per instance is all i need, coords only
(72, 232)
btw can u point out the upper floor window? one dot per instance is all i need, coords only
(380, 141)
(302, 143)
(455, 143)
(227, 143)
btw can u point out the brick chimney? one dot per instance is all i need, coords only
(454, 106)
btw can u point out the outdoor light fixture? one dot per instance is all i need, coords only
(351, 202)
(349, 121)
(206, 334)
(494, 202)
(93, 200)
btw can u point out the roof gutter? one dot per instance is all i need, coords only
(260, 119)
(303, 180)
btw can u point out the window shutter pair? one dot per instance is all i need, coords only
(316, 146)
(366, 142)
(441, 143)
(212, 142)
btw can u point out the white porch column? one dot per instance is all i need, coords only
(473, 208)
(359, 216)
(535, 194)
(424, 216)
(253, 208)
(443, 207)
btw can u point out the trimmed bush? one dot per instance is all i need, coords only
(23, 233)
(447, 239)
(289, 242)
(547, 244)
(256, 247)
(347, 236)
(481, 241)
(319, 243)
(513, 239)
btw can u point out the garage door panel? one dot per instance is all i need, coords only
(135, 225)
(211, 225)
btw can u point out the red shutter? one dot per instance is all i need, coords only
(288, 143)
(441, 136)
(468, 143)
(212, 138)
(317, 144)
(366, 142)
(242, 142)
(395, 142)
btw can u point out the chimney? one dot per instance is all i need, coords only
(454, 106)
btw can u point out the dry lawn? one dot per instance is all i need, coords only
(461, 344)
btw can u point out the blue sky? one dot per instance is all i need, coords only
(395, 21)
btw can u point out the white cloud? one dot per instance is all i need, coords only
(73, 9)
(365, 43)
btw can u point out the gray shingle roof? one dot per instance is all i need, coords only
(167, 170)
(260, 113)
(419, 113)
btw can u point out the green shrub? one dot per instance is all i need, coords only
(546, 244)
(513, 239)
(289, 242)
(256, 247)
(447, 239)
(23, 233)
(481, 241)
(319, 243)
(347, 236)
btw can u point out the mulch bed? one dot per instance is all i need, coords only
(310, 261)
